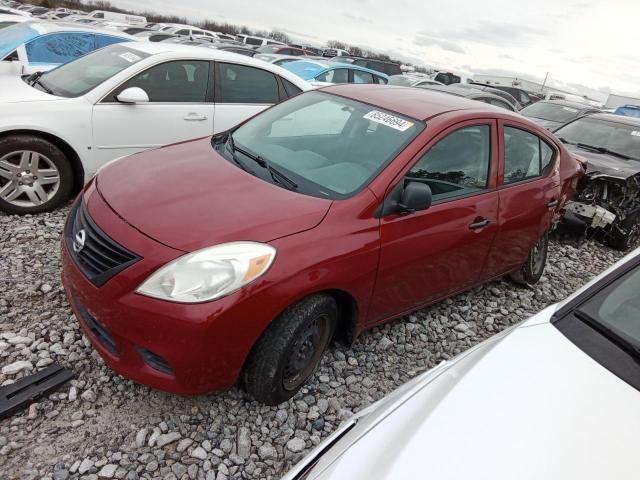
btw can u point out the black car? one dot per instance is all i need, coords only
(472, 94)
(388, 68)
(607, 201)
(552, 114)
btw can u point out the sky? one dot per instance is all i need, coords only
(588, 46)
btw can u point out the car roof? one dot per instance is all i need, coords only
(418, 103)
(312, 68)
(44, 27)
(612, 117)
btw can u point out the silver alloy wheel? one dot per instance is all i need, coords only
(28, 178)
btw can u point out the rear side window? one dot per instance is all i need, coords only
(290, 88)
(182, 82)
(526, 156)
(183, 32)
(60, 48)
(456, 166)
(242, 84)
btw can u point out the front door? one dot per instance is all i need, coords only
(529, 189)
(430, 254)
(179, 108)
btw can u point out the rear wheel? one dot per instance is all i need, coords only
(35, 175)
(290, 350)
(533, 268)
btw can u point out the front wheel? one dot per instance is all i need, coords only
(35, 175)
(290, 350)
(533, 268)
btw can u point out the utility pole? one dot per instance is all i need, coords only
(544, 83)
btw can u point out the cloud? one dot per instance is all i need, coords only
(493, 33)
(425, 40)
(358, 18)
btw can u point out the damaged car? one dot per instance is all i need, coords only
(607, 203)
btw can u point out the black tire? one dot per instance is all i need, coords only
(626, 235)
(533, 268)
(272, 373)
(17, 143)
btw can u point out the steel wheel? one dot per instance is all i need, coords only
(28, 178)
(306, 352)
(538, 256)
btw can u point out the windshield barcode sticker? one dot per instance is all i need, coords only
(388, 120)
(129, 57)
(635, 133)
(569, 109)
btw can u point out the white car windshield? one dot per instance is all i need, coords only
(84, 74)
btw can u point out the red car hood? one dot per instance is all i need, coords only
(188, 197)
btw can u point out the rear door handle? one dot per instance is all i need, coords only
(553, 203)
(479, 224)
(194, 117)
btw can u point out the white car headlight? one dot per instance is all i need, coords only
(209, 273)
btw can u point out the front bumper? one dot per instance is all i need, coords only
(181, 348)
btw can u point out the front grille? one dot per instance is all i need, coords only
(100, 332)
(97, 255)
(154, 361)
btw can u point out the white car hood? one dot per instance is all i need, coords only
(14, 90)
(529, 406)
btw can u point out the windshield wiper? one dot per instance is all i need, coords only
(564, 140)
(276, 174)
(603, 150)
(609, 333)
(34, 79)
(239, 162)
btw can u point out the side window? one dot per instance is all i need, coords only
(97, 15)
(290, 88)
(285, 51)
(362, 77)
(500, 103)
(526, 156)
(106, 40)
(184, 31)
(339, 75)
(458, 165)
(182, 81)
(242, 84)
(380, 80)
(60, 47)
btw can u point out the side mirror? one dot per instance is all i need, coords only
(415, 196)
(133, 95)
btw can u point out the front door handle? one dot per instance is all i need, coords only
(479, 224)
(194, 117)
(553, 203)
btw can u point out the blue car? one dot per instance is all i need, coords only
(628, 111)
(319, 71)
(35, 46)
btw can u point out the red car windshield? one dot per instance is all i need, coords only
(329, 145)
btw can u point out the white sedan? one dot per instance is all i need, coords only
(58, 128)
(554, 398)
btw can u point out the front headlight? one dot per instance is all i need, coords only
(209, 273)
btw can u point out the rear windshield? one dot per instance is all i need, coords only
(84, 74)
(552, 112)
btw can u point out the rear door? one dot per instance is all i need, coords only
(529, 189)
(241, 92)
(430, 254)
(179, 108)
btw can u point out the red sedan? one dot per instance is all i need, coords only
(245, 254)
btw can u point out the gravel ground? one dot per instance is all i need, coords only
(101, 425)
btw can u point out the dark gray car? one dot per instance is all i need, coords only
(471, 93)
